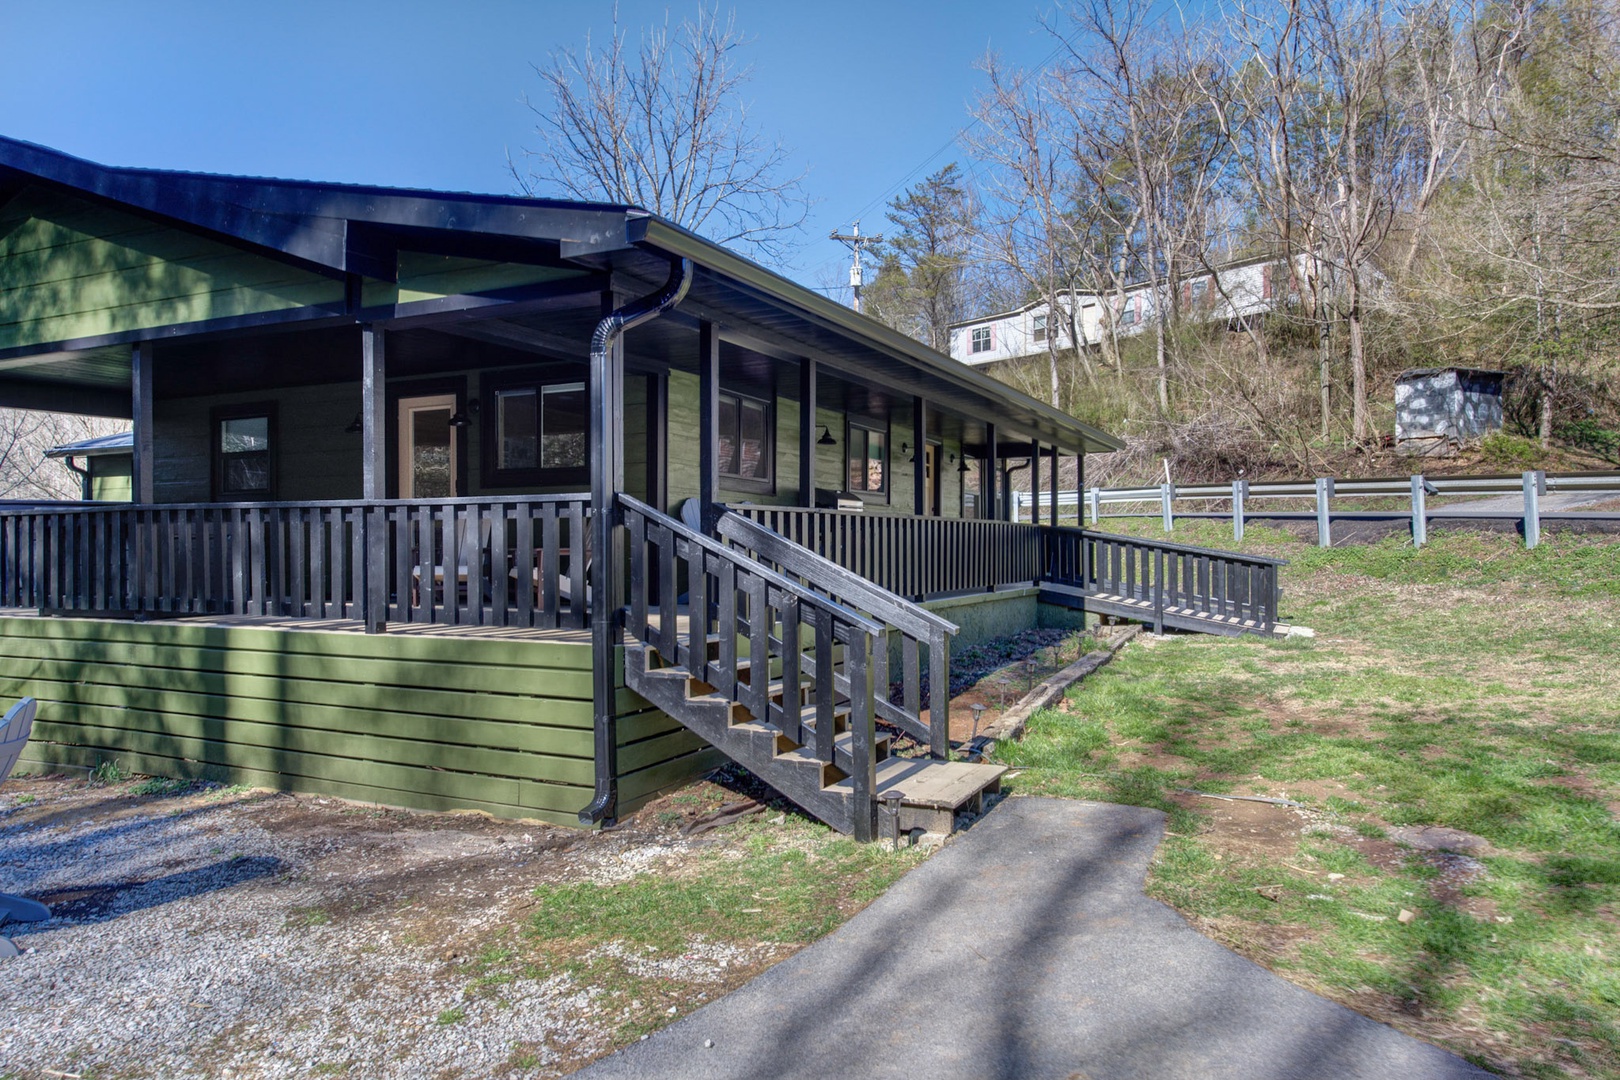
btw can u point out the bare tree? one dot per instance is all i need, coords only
(1145, 135)
(1023, 227)
(665, 127)
(25, 435)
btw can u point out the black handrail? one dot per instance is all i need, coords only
(744, 623)
(919, 630)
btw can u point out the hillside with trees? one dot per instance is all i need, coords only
(1452, 171)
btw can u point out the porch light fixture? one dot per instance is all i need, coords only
(458, 419)
(356, 426)
(826, 437)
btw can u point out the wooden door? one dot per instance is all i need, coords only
(427, 447)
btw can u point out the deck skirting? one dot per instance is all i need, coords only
(445, 721)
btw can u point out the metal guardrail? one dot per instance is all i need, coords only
(1530, 486)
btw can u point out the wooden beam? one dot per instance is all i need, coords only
(919, 457)
(142, 487)
(708, 415)
(807, 432)
(373, 414)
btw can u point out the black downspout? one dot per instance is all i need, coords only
(607, 477)
(84, 479)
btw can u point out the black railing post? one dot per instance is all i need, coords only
(1158, 590)
(374, 612)
(939, 696)
(863, 733)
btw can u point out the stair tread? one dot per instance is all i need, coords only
(932, 783)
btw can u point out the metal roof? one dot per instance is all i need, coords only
(121, 443)
(335, 227)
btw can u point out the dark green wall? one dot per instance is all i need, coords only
(72, 269)
(830, 464)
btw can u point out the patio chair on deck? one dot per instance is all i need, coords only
(472, 540)
(15, 727)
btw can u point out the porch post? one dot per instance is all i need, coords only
(607, 479)
(140, 369)
(919, 481)
(708, 416)
(1079, 489)
(1056, 518)
(373, 414)
(1034, 482)
(987, 478)
(807, 432)
(374, 475)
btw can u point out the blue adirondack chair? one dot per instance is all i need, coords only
(14, 729)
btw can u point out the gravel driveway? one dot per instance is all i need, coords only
(247, 934)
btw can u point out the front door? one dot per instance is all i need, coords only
(427, 447)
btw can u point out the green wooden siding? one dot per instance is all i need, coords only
(434, 723)
(71, 269)
(110, 477)
(432, 277)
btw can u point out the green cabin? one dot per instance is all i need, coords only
(536, 507)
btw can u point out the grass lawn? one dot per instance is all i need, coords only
(1471, 685)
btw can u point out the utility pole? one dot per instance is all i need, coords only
(856, 241)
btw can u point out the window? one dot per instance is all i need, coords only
(244, 466)
(537, 434)
(1128, 316)
(983, 340)
(868, 456)
(747, 456)
(1200, 289)
(1038, 328)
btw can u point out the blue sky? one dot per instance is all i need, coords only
(426, 94)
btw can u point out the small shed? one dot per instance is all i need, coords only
(1436, 409)
(107, 465)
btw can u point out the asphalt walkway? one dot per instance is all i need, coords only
(1026, 950)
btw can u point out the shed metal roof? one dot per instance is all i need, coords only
(121, 443)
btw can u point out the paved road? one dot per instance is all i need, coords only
(1026, 950)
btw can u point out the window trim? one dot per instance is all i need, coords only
(765, 485)
(216, 456)
(1039, 327)
(989, 332)
(536, 379)
(881, 427)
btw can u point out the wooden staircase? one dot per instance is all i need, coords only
(774, 666)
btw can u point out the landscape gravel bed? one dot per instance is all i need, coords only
(222, 932)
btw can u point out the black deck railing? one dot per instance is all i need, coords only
(916, 557)
(481, 562)
(1169, 582)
